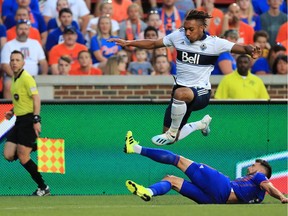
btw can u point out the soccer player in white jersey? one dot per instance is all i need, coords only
(196, 55)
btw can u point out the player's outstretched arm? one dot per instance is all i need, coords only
(273, 191)
(144, 44)
(253, 51)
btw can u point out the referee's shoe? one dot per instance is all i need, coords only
(41, 192)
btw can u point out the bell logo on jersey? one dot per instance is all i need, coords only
(192, 58)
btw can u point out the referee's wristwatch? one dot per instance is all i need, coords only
(36, 119)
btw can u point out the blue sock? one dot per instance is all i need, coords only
(160, 155)
(161, 187)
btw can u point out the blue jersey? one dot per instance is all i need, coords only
(247, 188)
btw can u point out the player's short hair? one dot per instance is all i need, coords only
(266, 165)
(17, 52)
(198, 15)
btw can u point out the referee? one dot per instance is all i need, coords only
(21, 138)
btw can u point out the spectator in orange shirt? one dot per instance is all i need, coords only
(214, 24)
(282, 36)
(69, 47)
(22, 14)
(120, 8)
(232, 20)
(85, 65)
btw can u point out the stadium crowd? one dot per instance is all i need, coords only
(70, 37)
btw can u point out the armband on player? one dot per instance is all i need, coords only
(36, 119)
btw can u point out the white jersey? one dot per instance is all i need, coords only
(32, 51)
(195, 61)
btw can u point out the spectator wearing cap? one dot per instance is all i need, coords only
(22, 15)
(56, 36)
(69, 47)
(34, 56)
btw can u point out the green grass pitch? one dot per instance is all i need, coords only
(130, 205)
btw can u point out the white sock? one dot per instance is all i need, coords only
(190, 128)
(137, 149)
(150, 191)
(178, 111)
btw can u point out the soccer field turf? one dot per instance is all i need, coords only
(128, 205)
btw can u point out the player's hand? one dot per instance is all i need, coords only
(284, 200)
(256, 52)
(9, 115)
(37, 128)
(118, 41)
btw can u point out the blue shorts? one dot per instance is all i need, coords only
(200, 101)
(206, 185)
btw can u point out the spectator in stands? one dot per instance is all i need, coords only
(171, 17)
(162, 65)
(85, 65)
(226, 63)
(282, 36)
(264, 65)
(64, 65)
(69, 47)
(232, 20)
(79, 10)
(141, 66)
(54, 22)
(260, 39)
(9, 7)
(164, 51)
(56, 36)
(33, 55)
(273, 19)
(35, 18)
(116, 65)
(120, 8)
(241, 84)
(185, 5)
(214, 24)
(248, 15)
(150, 33)
(100, 48)
(105, 9)
(261, 7)
(280, 65)
(3, 36)
(153, 20)
(22, 13)
(124, 55)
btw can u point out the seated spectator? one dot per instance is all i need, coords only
(272, 20)
(232, 20)
(105, 9)
(54, 22)
(9, 7)
(248, 15)
(85, 65)
(56, 36)
(150, 33)
(33, 55)
(241, 84)
(226, 63)
(100, 48)
(153, 20)
(280, 65)
(164, 51)
(120, 7)
(116, 65)
(141, 66)
(3, 36)
(162, 65)
(64, 65)
(123, 54)
(260, 39)
(35, 18)
(79, 10)
(171, 17)
(261, 7)
(22, 14)
(213, 24)
(282, 36)
(69, 47)
(262, 65)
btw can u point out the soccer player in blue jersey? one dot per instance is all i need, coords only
(196, 55)
(206, 185)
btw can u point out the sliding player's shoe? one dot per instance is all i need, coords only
(138, 190)
(164, 139)
(130, 143)
(206, 121)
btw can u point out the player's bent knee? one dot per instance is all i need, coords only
(175, 181)
(9, 158)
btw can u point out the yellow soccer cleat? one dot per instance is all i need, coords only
(138, 190)
(130, 143)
